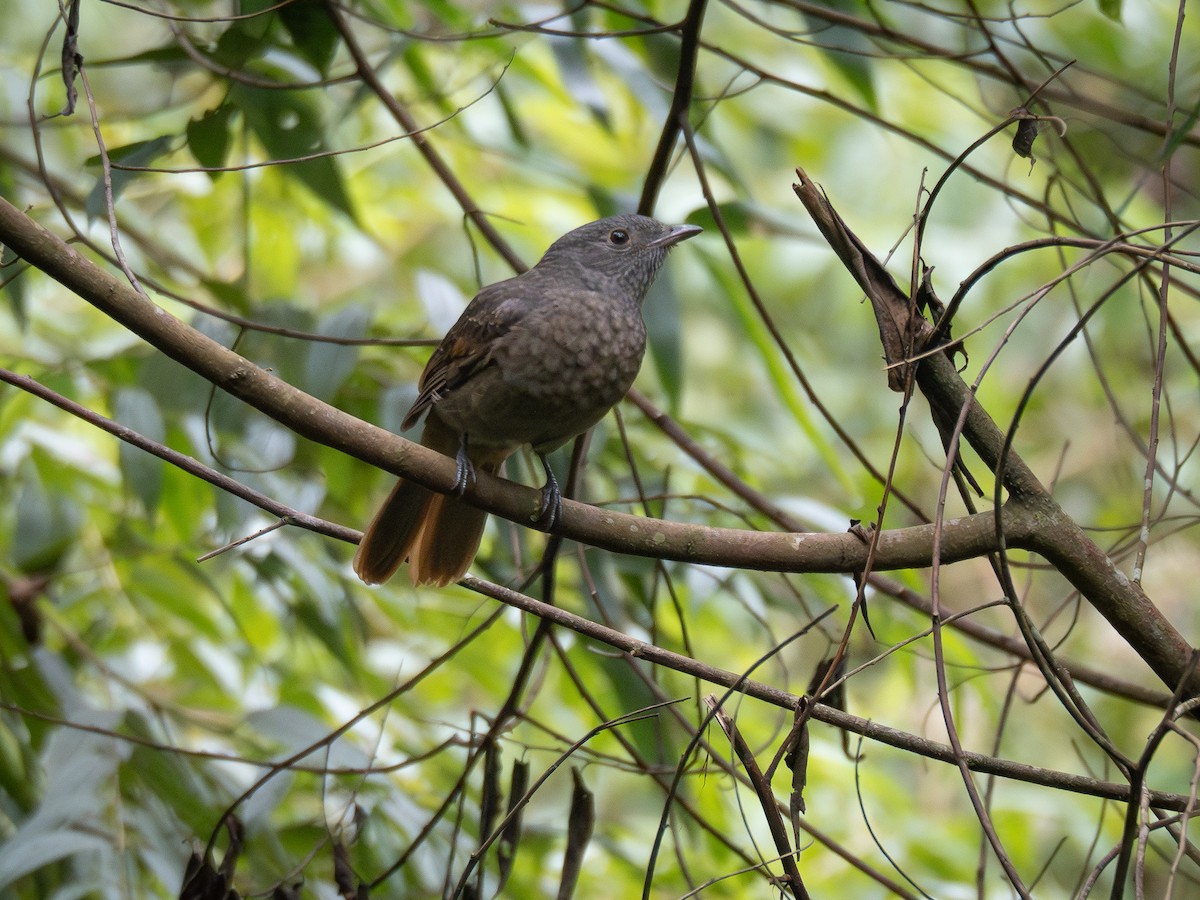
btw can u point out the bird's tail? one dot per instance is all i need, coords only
(438, 534)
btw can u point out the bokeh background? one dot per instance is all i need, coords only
(266, 193)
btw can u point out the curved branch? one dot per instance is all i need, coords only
(1051, 532)
(325, 424)
(1031, 519)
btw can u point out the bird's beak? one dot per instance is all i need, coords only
(675, 235)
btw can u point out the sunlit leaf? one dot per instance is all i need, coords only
(574, 67)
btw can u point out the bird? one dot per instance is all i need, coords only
(534, 360)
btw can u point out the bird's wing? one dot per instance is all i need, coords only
(468, 345)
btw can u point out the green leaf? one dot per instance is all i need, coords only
(169, 777)
(47, 526)
(77, 768)
(248, 37)
(574, 67)
(782, 379)
(512, 116)
(209, 138)
(661, 55)
(662, 314)
(329, 365)
(745, 217)
(289, 126)
(858, 71)
(1111, 8)
(419, 71)
(1177, 134)
(312, 31)
(143, 473)
(140, 153)
(231, 294)
(734, 213)
(284, 357)
(849, 51)
(171, 56)
(18, 779)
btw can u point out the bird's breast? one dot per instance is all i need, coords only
(551, 377)
(577, 357)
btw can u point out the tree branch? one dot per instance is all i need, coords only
(325, 424)
(660, 656)
(1044, 526)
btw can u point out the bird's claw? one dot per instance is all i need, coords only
(464, 472)
(550, 509)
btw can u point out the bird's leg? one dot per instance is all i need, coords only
(464, 472)
(550, 510)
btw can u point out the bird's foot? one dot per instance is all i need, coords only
(550, 509)
(464, 472)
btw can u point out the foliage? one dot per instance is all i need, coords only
(321, 186)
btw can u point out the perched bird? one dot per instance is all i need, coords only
(536, 359)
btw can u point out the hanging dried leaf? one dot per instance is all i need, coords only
(1027, 132)
(580, 822)
(72, 59)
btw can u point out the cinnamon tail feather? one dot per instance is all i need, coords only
(449, 538)
(390, 537)
(438, 534)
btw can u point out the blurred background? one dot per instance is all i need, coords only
(266, 191)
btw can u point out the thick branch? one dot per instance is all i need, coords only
(320, 422)
(1045, 527)
(1026, 524)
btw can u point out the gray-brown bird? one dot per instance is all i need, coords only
(537, 359)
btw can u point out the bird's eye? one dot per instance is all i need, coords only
(619, 237)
